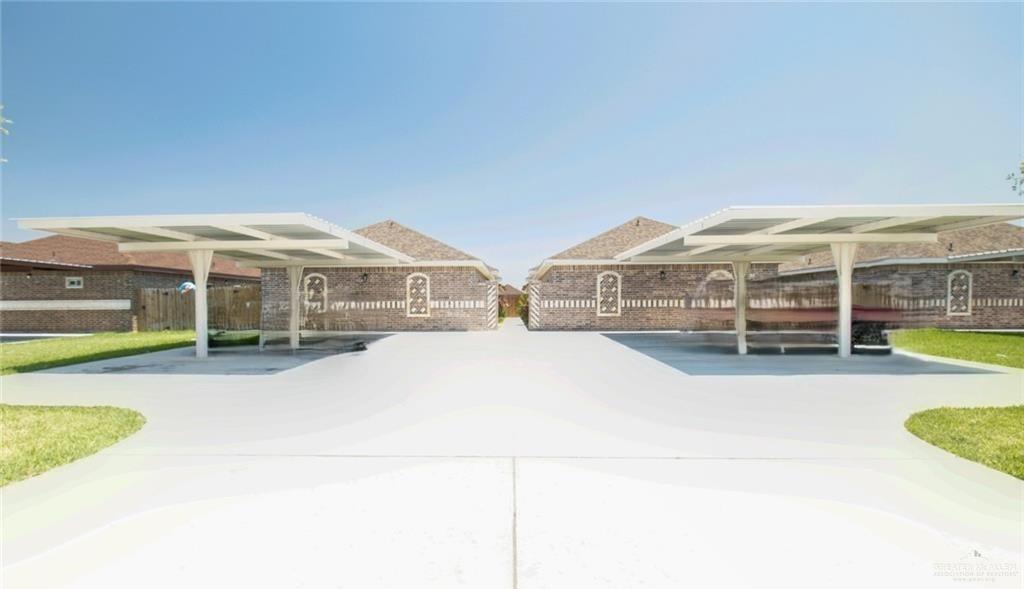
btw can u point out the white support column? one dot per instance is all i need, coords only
(295, 310)
(201, 260)
(843, 254)
(739, 303)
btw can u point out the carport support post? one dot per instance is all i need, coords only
(201, 260)
(843, 254)
(739, 303)
(294, 276)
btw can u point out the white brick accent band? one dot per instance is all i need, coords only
(458, 304)
(360, 305)
(68, 305)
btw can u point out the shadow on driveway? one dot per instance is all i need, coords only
(232, 360)
(681, 352)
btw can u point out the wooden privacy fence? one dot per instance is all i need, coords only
(229, 307)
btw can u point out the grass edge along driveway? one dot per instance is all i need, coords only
(992, 436)
(36, 438)
(1003, 349)
(50, 353)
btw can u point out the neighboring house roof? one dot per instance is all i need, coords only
(508, 290)
(630, 234)
(62, 249)
(956, 245)
(411, 242)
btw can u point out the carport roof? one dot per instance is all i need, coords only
(263, 240)
(784, 233)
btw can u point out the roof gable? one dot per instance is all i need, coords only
(630, 234)
(411, 242)
(959, 242)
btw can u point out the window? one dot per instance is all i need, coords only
(417, 295)
(74, 282)
(609, 294)
(958, 293)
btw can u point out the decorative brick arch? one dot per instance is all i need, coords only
(609, 294)
(314, 288)
(959, 289)
(417, 295)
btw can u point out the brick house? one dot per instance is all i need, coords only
(969, 278)
(443, 289)
(508, 299)
(63, 284)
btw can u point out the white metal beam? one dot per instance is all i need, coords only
(274, 255)
(87, 234)
(277, 244)
(330, 253)
(162, 232)
(886, 223)
(810, 238)
(787, 226)
(243, 230)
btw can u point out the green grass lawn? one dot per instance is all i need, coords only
(993, 436)
(34, 439)
(47, 353)
(1005, 349)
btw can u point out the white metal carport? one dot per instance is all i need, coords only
(290, 240)
(743, 235)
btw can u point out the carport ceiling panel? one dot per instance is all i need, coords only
(741, 226)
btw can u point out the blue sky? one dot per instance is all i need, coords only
(510, 131)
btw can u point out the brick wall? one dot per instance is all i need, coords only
(48, 285)
(915, 295)
(373, 299)
(697, 297)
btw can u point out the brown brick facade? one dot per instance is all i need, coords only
(49, 285)
(915, 295)
(374, 299)
(653, 297)
(699, 297)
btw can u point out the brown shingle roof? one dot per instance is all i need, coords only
(76, 250)
(1000, 236)
(508, 289)
(411, 242)
(616, 240)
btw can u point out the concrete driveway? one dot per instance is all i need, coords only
(514, 459)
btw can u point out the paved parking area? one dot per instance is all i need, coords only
(680, 352)
(513, 459)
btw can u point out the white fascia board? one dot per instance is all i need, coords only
(367, 263)
(872, 264)
(905, 210)
(809, 238)
(547, 265)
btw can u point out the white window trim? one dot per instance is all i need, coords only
(408, 295)
(618, 292)
(68, 284)
(949, 294)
